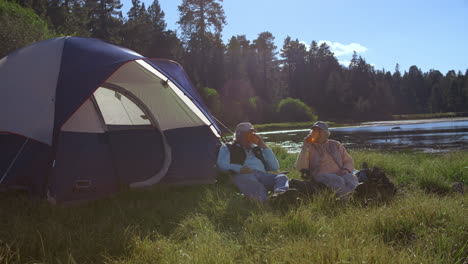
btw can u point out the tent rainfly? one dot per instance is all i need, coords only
(81, 119)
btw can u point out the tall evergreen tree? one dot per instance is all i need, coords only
(321, 62)
(433, 82)
(465, 91)
(415, 82)
(381, 97)
(164, 43)
(137, 31)
(198, 17)
(361, 78)
(294, 54)
(337, 94)
(265, 82)
(77, 19)
(156, 16)
(202, 22)
(453, 92)
(105, 19)
(396, 89)
(233, 60)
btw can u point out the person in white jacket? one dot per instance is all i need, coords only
(327, 160)
(250, 159)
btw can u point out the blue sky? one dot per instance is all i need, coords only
(429, 34)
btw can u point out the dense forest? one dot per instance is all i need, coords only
(242, 79)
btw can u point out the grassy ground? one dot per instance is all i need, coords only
(426, 223)
(281, 126)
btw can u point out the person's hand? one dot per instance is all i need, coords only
(260, 141)
(342, 172)
(307, 139)
(245, 170)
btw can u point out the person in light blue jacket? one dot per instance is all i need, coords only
(250, 160)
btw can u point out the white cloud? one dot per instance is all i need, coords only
(344, 62)
(343, 49)
(347, 62)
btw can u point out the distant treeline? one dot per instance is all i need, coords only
(242, 79)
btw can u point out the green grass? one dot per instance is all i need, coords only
(429, 116)
(214, 224)
(281, 126)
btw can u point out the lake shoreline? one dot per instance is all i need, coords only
(427, 135)
(270, 127)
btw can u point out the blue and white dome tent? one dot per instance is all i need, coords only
(81, 118)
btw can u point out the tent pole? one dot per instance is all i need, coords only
(226, 128)
(14, 160)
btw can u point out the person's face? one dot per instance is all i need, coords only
(252, 137)
(316, 134)
(247, 137)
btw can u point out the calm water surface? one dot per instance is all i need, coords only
(429, 135)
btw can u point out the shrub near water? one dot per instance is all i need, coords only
(214, 224)
(290, 109)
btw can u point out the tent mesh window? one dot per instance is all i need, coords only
(118, 111)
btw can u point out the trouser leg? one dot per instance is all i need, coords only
(333, 181)
(351, 182)
(250, 186)
(278, 182)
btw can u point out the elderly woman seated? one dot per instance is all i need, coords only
(327, 160)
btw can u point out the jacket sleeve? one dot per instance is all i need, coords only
(348, 162)
(270, 159)
(224, 160)
(302, 161)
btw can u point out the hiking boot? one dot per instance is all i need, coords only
(306, 187)
(287, 196)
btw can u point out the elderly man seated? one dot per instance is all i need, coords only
(327, 161)
(250, 159)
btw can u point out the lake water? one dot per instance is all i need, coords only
(429, 135)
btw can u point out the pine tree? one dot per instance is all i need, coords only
(465, 92)
(202, 22)
(134, 15)
(69, 17)
(294, 54)
(436, 100)
(156, 16)
(137, 31)
(267, 66)
(198, 17)
(415, 82)
(105, 19)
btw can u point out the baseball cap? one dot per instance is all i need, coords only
(320, 124)
(244, 127)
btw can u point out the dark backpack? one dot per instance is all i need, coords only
(375, 185)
